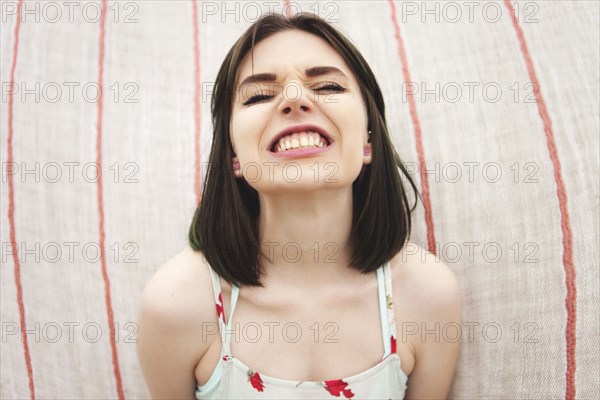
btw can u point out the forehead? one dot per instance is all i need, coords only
(291, 49)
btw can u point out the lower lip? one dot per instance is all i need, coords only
(301, 152)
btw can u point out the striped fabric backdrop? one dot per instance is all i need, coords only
(106, 124)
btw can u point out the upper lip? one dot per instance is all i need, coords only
(300, 128)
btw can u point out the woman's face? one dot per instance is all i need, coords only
(327, 98)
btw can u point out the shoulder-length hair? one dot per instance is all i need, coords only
(225, 223)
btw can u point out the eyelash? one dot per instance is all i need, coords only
(260, 97)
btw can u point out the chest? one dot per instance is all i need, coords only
(312, 338)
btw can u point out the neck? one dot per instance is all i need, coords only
(305, 235)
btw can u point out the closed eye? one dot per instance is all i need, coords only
(256, 99)
(330, 86)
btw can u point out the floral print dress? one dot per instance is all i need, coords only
(232, 379)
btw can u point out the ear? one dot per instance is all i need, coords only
(367, 153)
(237, 171)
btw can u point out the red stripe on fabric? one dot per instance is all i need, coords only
(107, 297)
(568, 265)
(418, 135)
(197, 110)
(11, 207)
(288, 10)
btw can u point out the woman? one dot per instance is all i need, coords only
(301, 235)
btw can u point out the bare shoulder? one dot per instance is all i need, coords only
(180, 291)
(428, 296)
(175, 305)
(427, 281)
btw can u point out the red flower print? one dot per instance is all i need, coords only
(219, 305)
(256, 381)
(338, 386)
(226, 357)
(393, 340)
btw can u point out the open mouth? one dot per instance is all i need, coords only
(300, 140)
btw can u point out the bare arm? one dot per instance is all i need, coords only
(170, 322)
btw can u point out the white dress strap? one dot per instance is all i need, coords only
(218, 297)
(224, 321)
(228, 333)
(386, 308)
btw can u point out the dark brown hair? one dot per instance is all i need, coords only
(225, 224)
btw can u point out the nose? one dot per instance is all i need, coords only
(294, 99)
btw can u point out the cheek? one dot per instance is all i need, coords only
(351, 112)
(245, 129)
(235, 126)
(350, 118)
(351, 121)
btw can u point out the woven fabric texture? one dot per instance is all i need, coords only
(493, 105)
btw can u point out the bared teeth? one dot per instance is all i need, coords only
(300, 139)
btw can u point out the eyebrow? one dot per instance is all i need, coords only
(309, 72)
